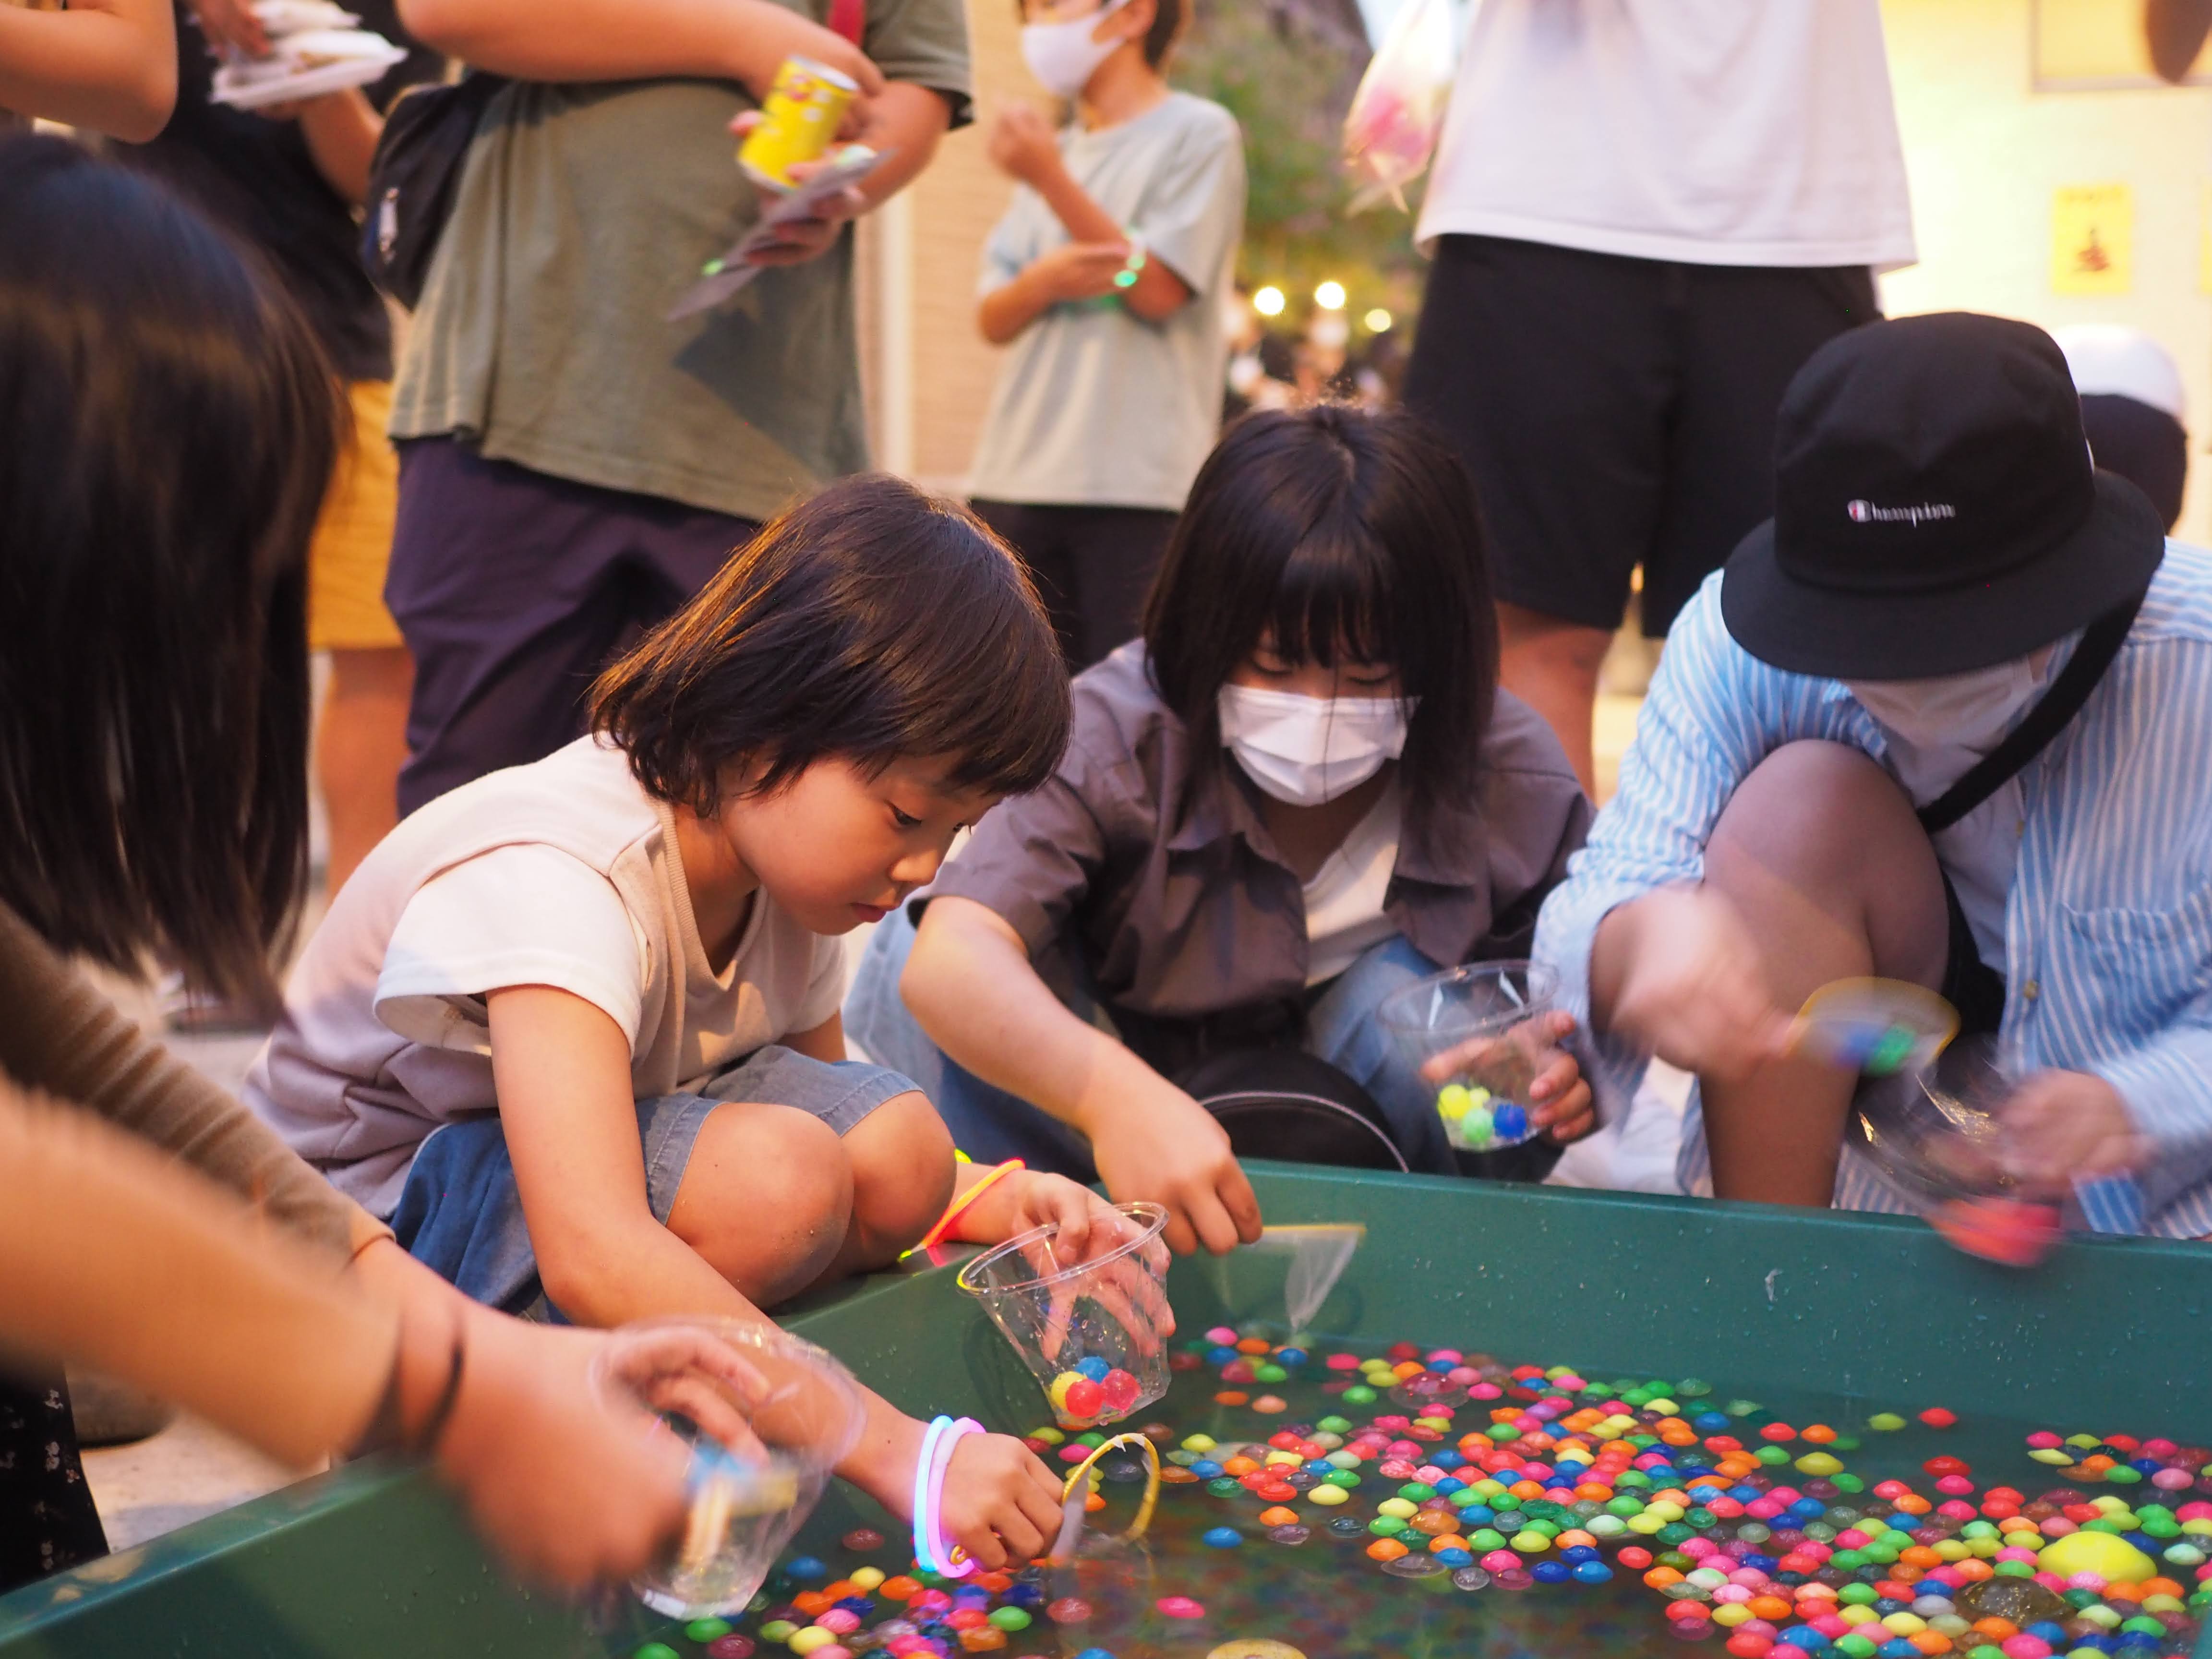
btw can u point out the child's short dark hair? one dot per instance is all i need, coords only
(1335, 531)
(873, 622)
(171, 426)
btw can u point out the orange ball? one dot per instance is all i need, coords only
(1386, 1549)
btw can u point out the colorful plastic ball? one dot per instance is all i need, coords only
(1224, 1538)
(1009, 1618)
(1509, 1121)
(1094, 1367)
(730, 1647)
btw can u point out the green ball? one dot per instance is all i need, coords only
(778, 1630)
(1360, 1395)
(1858, 1595)
(1859, 1647)
(1846, 1482)
(1887, 1422)
(1483, 1540)
(1226, 1485)
(1344, 1477)
(1333, 1424)
(656, 1650)
(703, 1630)
(1386, 1526)
(1009, 1618)
(1270, 1374)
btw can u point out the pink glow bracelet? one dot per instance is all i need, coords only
(931, 1549)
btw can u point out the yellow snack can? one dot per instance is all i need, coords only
(798, 122)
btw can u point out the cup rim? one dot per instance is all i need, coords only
(1154, 1216)
(762, 1334)
(1543, 981)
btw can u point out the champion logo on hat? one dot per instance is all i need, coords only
(1865, 512)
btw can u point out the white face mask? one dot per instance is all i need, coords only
(1063, 56)
(1940, 728)
(1305, 750)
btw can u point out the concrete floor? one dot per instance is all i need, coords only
(190, 1469)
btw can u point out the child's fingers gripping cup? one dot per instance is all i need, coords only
(1087, 1324)
(767, 1416)
(1481, 1035)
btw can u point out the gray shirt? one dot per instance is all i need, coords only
(1095, 406)
(1161, 878)
(584, 211)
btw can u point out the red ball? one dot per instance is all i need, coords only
(1084, 1398)
(1120, 1390)
(1749, 1644)
(1940, 1466)
(1936, 1417)
(1777, 1432)
(1635, 1558)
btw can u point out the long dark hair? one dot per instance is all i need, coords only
(873, 622)
(170, 427)
(1335, 530)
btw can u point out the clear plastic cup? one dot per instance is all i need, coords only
(1091, 1326)
(767, 1416)
(1470, 1032)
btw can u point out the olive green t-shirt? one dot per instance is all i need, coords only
(584, 211)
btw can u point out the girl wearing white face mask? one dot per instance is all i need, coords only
(1300, 790)
(1106, 279)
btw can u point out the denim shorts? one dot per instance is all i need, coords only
(460, 1215)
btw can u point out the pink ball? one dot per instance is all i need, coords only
(1729, 1593)
(2172, 1480)
(1758, 1627)
(1750, 1578)
(2024, 1647)
(1764, 1509)
(2056, 1526)
(1342, 1362)
(838, 1621)
(1954, 1486)
(2157, 1448)
(2051, 1581)
(1461, 1376)
(2199, 1511)
(1445, 1357)
(1787, 1651)
(1222, 1337)
(1852, 1538)
(1500, 1561)
(2044, 1440)
(1485, 1391)
(1784, 1496)
(1725, 1508)
(1699, 1548)
(2013, 1553)
(1830, 1626)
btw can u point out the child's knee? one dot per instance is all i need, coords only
(901, 1159)
(767, 1198)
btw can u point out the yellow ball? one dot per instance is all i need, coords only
(865, 1578)
(803, 1641)
(2111, 1558)
(1327, 1496)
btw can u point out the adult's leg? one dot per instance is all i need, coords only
(1038, 535)
(1552, 371)
(361, 735)
(47, 1521)
(360, 744)
(1115, 551)
(1743, 334)
(1341, 1029)
(1551, 664)
(987, 1123)
(1821, 855)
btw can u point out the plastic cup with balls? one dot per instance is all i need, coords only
(1089, 1321)
(767, 1416)
(1479, 1035)
(1936, 1133)
(1877, 1027)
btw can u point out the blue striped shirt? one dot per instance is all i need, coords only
(2108, 925)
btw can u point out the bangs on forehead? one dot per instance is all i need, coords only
(1335, 600)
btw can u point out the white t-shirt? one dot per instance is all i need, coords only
(563, 874)
(1727, 132)
(1344, 900)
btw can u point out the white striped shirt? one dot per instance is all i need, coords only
(2108, 926)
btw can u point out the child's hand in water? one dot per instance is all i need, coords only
(1001, 1503)
(2061, 1125)
(1558, 1094)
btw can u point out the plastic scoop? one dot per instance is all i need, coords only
(1318, 1256)
(1089, 1325)
(1474, 1033)
(1878, 1027)
(767, 1416)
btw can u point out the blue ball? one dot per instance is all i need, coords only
(2047, 1630)
(1450, 1484)
(1224, 1538)
(805, 1569)
(1222, 1356)
(1292, 1357)
(1445, 1458)
(1550, 1572)
(1804, 1636)
(1094, 1367)
(1764, 1564)
(1576, 1554)
(1094, 1653)
(2145, 1466)
(1592, 1572)
(1206, 1470)
(1509, 1121)
(1745, 1492)
(1024, 1596)
(1478, 1514)
(1455, 1557)
(1900, 1649)
(1709, 1422)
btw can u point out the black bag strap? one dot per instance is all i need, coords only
(2100, 643)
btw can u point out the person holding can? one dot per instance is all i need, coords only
(573, 465)
(1108, 277)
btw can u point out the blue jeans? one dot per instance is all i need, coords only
(460, 1214)
(991, 1124)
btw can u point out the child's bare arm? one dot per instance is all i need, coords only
(110, 65)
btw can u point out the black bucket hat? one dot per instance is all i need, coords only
(1936, 510)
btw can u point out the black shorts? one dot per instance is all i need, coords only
(1616, 412)
(1093, 566)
